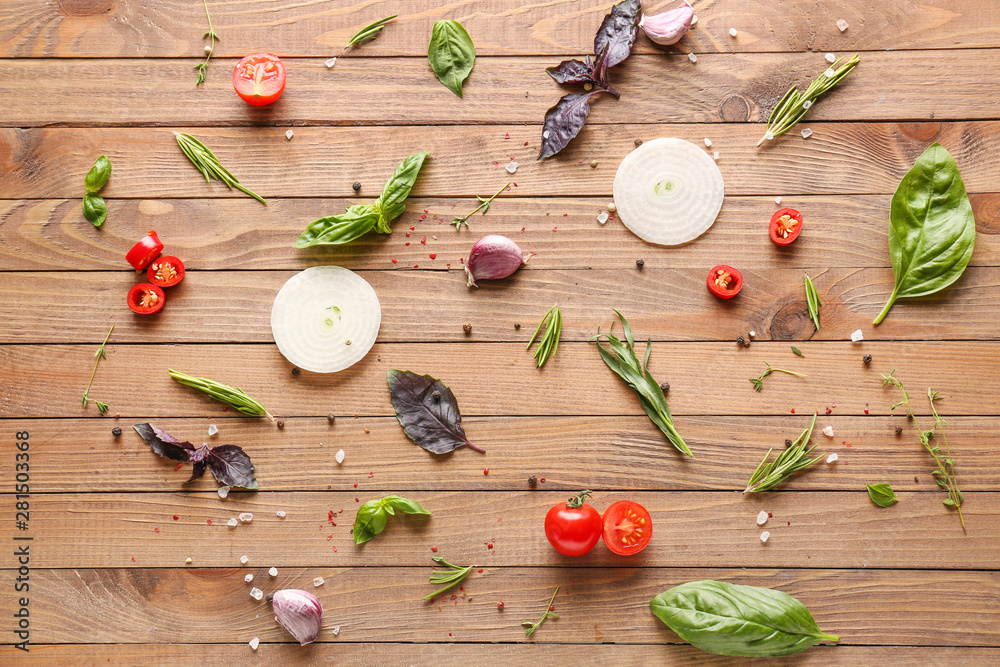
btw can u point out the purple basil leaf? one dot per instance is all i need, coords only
(163, 443)
(232, 466)
(197, 471)
(564, 121)
(572, 71)
(428, 412)
(618, 32)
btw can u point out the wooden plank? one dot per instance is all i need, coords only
(174, 28)
(40, 235)
(570, 453)
(48, 380)
(808, 529)
(840, 158)
(368, 604)
(918, 85)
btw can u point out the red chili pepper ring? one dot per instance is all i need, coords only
(724, 281)
(786, 224)
(145, 251)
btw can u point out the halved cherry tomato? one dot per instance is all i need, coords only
(786, 223)
(166, 271)
(627, 527)
(146, 298)
(145, 251)
(259, 79)
(573, 527)
(724, 281)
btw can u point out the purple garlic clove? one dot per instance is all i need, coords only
(298, 612)
(493, 257)
(668, 28)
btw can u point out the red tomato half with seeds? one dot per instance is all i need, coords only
(627, 527)
(145, 251)
(166, 271)
(259, 79)
(786, 224)
(573, 527)
(724, 281)
(146, 298)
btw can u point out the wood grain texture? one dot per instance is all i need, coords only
(841, 158)
(569, 453)
(655, 89)
(501, 379)
(160, 28)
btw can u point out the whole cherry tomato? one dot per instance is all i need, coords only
(627, 527)
(166, 271)
(786, 224)
(146, 298)
(145, 251)
(259, 79)
(724, 281)
(573, 527)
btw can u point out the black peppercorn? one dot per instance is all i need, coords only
(867, 358)
(281, 424)
(664, 387)
(899, 430)
(517, 326)
(916, 480)
(436, 395)
(356, 186)
(330, 418)
(637, 142)
(639, 263)
(116, 431)
(746, 342)
(532, 480)
(741, 340)
(295, 371)
(467, 328)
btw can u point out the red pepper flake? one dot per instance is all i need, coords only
(335, 549)
(515, 185)
(793, 411)
(423, 217)
(434, 549)
(449, 634)
(461, 588)
(395, 261)
(499, 518)
(157, 529)
(866, 410)
(488, 546)
(423, 241)
(355, 485)
(226, 409)
(210, 522)
(426, 211)
(176, 517)
(522, 230)
(555, 229)
(357, 500)
(495, 164)
(416, 266)
(479, 571)
(565, 215)
(133, 560)
(433, 256)
(486, 471)
(552, 607)
(371, 474)
(178, 467)
(525, 143)
(542, 480)
(412, 229)
(407, 243)
(407, 234)
(499, 604)
(829, 410)
(506, 135)
(848, 444)
(789, 523)
(769, 515)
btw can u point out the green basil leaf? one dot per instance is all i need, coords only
(369, 522)
(451, 54)
(392, 201)
(357, 221)
(98, 175)
(404, 505)
(932, 230)
(94, 209)
(882, 494)
(729, 619)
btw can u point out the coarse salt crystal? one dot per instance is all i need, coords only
(769, 135)
(223, 491)
(289, 134)
(254, 643)
(511, 167)
(733, 32)
(692, 57)
(752, 334)
(828, 431)
(545, 134)
(187, 560)
(708, 142)
(246, 517)
(256, 593)
(857, 336)
(764, 536)
(694, 19)
(830, 57)
(318, 581)
(762, 518)
(248, 578)
(232, 522)
(340, 456)
(281, 514)
(829, 72)
(212, 429)
(831, 458)
(842, 25)
(602, 217)
(777, 200)
(273, 572)
(331, 62)
(806, 133)
(807, 104)
(336, 630)
(244, 559)
(715, 155)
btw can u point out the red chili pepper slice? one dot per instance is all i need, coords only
(166, 271)
(145, 251)
(146, 298)
(786, 224)
(724, 281)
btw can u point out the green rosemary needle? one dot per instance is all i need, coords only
(202, 68)
(100, 354)
(771, 473)
(550, 339)
(453, 575)
(209, 165)
(366, 34)
(484, 203)
(812, 300)
(794, 105)
(758, 382)
(234, 397)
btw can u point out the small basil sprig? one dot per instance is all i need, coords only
(451, 54)
(94, 208)
(882, 494)
(374, 514)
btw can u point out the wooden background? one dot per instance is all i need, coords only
(109, 583)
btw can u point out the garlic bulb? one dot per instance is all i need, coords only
(668, 28)
(298, 612)
(493, 257)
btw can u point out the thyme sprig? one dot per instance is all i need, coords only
(550, 339)
(944, 474)
(101, 353)
(234, 397)
(484, 204)
(209, 165)
(771, 473)
(366, 34)
(449, 577)
(812, 300)
(529, 627)
(794, 105)
(758, 382)
(202, 68)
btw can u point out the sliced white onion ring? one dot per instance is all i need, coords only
(325, 319)
(668, 191)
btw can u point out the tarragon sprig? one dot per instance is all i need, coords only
(366, 34)
(202, 68)
(771, 473)
(758, 382)
(209, 165)
(234, 397)
(550, 339)
(794, 105)
(812, 300)
(484, 204)
(101, 353)
(529, 627)
(453, 575)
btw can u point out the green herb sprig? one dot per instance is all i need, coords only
(529, 627)
(484, 204)
(550, 339)
(369, 32)
(209, 165)
(94, 208)
(882, 494)
(234, 397)
(812, 300)
(449, 577)
(795, 458)
(794, 105)
(758, 382)
(202, 68)
(944, 473)
(100, 354)
(797, 351)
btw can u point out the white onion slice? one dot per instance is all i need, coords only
(668, 191)
(318, 311)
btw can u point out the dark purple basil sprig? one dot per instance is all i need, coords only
(229, 463)
(612, 44)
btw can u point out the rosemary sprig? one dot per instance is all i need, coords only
(484, 203)
(794, 105)
(795, 458)
(100, 354)
(758, 382)
(812, 300)
(234, 397)
(366, 34)
(944, 474)
(529, 627)
(550, 339)
(620, 358)
(453, 575)
(202, 68)
(209, 165)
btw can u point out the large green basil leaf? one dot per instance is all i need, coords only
(94, 209)
(882, 494)
(392, 201)
(98, 175)
(370, 521)
(357, 221)
(729, 619)
(932, 229)
(451, 54)
(404, 505)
